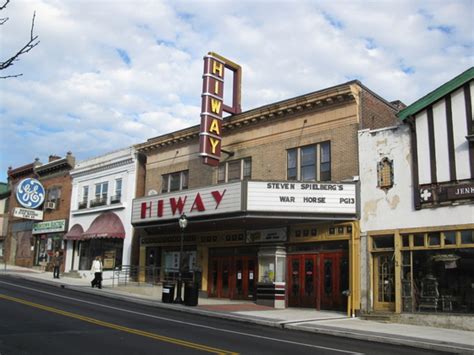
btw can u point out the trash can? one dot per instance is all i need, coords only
(191, 293)
(167, 295)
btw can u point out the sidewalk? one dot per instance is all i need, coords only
(302, 319)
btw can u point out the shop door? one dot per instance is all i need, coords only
(302, 281)
(244, 275)
(219, 276)
(384, 282)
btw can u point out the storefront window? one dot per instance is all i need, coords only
(442, 281)
(110, 249)
(271, 261)
(467, 237)
(434, 239)
(449, 238)
(406, 240)
(383, 241)
(281, 269)
(419, 240)
(267, 269)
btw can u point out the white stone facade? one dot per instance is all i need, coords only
(118, 165)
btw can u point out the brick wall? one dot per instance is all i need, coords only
(376, 113)
(64, 181)
(266, 143)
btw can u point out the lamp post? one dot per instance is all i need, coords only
(183, 222)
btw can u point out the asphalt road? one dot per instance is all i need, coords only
(41, 319)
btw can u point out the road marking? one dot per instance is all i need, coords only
(185, 323)
(121, 328)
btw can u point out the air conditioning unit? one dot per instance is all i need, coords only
(50, 205)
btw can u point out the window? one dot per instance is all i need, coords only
(292, 164)
(118, 192)
(101, 192)
(450, 238)
(385, 173)
(234, 170)
(174, 181)
(85, 197)
(54, 195)
(309, 163)
(467, 237)
(383, 242)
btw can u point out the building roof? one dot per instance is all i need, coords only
(320, 99)
(66, 163)
(437, 94)
(14, 173)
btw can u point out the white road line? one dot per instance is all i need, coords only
(185, 323)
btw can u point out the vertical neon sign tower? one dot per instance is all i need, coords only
(212, 107)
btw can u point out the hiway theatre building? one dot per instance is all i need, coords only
(276, 219)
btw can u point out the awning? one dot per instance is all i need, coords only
(75, 233)
(107, 225)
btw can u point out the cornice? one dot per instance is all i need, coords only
(313, 102)
(104, 167)
(55, 167)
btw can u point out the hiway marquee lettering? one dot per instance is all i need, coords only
(180, 205)
(212, 106)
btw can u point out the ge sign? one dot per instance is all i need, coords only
(30, 193)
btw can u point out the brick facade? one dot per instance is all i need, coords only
(266, 133)
(21, 244)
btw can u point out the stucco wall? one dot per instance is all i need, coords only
(394, 209)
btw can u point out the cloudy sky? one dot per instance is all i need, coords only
(109, 74)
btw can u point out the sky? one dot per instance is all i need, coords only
(108, 74)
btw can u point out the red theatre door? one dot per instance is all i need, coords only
(232, 277)
(317, 280)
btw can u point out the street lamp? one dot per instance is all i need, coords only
(183, 222)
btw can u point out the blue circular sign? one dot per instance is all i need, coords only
(30, 193)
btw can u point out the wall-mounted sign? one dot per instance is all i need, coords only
(459, 192)
(301, 197)
(194, 203)
(266, 235)
(28, 213)
(49, 226)
(30, 193)
(213, 106)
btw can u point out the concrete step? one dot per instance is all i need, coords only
(381, 317)
(72, 274)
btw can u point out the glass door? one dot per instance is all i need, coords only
(384, 282)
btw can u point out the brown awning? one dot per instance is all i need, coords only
(107, 225)
(75, 233)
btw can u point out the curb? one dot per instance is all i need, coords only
(326, 330)
(383, 338)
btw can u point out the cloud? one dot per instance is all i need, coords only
(109, 74)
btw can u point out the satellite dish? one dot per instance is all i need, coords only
(152, 192)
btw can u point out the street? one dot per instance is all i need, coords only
(42, 319)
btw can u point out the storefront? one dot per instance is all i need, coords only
(297, 246)
(428, 270)
(48, 238)
(103, 238)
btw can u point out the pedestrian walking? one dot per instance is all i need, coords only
(56, 261)
(97, 269)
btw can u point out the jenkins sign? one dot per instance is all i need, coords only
(213, 106)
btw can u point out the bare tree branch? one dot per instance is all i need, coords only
(4, 5)
(32, 43)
